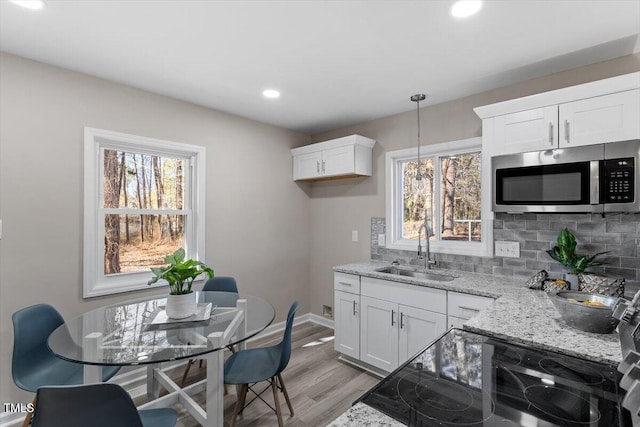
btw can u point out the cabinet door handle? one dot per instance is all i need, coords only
(318, 166)
(393, 313)
(323, 166)
(401, 320)
(567, 127)
(354, 308)
(551, 133)
(344, 283)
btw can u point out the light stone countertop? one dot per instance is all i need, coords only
(362, 415)
(518, 315)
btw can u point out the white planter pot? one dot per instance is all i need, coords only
(181, 306)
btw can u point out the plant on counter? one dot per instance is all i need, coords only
(565, 253)
(179, 273)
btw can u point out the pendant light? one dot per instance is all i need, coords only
(418, 180)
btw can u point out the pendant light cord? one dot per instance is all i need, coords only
(417, 98)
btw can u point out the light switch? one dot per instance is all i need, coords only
(354, 235)
(507, 249)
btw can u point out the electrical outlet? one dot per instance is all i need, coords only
(354, 235)
(382, 240)
(507, 249)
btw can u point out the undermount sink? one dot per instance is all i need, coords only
(398, 271)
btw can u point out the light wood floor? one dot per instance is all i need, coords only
(319, 385)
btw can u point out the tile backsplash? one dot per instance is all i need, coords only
(618, 234)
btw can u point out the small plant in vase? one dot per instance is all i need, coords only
(180, 274)
(565, 253)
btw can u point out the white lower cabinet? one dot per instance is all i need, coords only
(384, 323)
(346, 315)
(397, 320)
(379, 333)
(390, 333)
(417, 329)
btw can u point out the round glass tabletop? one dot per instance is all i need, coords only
(139, 332)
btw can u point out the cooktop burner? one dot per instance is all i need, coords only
(466, 379)
(444, 401)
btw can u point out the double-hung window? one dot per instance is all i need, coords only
(144, 198)
(444, 188)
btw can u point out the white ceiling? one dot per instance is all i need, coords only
(336, 62)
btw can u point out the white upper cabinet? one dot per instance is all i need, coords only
(530, 130)
(603, 119)
(593, 113)
(344, 157)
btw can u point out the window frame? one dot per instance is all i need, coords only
(95, 282)
(394, 202)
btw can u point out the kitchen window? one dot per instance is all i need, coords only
(144, 198)
(449, 194)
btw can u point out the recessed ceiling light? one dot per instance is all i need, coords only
(29, 4)
(464, 8)
(271, 93)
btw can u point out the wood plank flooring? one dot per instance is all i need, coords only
(320, 386)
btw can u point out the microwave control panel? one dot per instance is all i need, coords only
(619, 180)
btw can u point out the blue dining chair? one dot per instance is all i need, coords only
(248, 367)
(95, 405)
(33, 365)
(220, 284)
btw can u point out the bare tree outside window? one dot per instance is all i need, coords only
(143, 196)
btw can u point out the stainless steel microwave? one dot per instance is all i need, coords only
(593, 178)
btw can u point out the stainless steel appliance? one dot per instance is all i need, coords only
(594, 178)
(467, 379)
(629, 331)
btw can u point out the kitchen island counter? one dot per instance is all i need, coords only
(518, 314)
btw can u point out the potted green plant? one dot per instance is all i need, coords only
(565, 253)
(180, 273)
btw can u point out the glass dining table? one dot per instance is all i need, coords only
(139, 333)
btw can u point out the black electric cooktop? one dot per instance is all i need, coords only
(467, 379)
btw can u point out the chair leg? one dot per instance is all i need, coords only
(27, 418)
(186, 371)
(276, 401)
(242, 396)
(286, 395)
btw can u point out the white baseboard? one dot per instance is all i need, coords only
(135, 381)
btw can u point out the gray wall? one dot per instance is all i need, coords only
(257, 218)
(337, 207)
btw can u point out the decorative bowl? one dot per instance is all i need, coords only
(587, 312)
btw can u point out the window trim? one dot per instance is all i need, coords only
(95, 283)
(393, 192)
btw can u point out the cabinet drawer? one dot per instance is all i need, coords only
(465, 306)
(346, 282)
(411, 295)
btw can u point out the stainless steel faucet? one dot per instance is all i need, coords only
(428, 262)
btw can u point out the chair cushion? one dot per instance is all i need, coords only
(253, 365)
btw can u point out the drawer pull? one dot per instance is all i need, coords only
(344, 283)
(462, 307)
